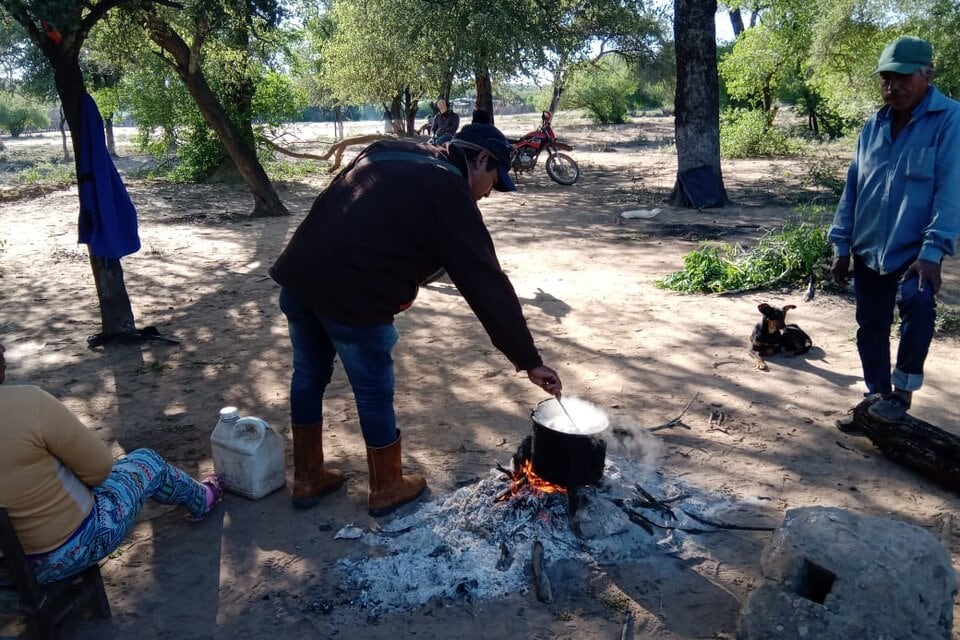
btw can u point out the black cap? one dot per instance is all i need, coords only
(488, 137)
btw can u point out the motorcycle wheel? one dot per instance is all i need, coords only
(562, 169)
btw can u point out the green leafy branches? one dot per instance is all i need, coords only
(788, 255)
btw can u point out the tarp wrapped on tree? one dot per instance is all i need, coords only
(108, 219)
(701, 188)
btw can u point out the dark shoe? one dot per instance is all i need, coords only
(848, 425)
(310, 480)
(389, 488)
(891, 408)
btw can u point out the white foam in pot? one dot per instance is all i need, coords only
(586, 418)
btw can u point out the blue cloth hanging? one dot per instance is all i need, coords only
(108, 219)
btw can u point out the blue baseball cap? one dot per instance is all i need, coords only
(488, 137)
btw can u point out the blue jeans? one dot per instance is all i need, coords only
(133, 480)
(876, 295)
(366, 354)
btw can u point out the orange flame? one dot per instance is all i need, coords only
(526, 479)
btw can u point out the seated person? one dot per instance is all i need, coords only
(70, 502)
(445, 123)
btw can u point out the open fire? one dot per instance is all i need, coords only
(526, 481)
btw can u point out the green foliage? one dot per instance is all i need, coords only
(748, 134)
(200, 155)
(602, 89)
(788, 255)
(827, 173)
(277, 99)
(17, 113)
(756, 66)
(948, 320)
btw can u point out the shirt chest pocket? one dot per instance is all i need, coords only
(920, 163)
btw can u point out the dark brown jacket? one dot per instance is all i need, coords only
(384, 224)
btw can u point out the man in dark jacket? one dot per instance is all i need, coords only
(397, 213)
(445, 123)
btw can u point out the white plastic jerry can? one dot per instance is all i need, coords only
(247, 455)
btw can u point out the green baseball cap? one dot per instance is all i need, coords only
(905, 55)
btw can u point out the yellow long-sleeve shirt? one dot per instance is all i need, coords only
(48, 462)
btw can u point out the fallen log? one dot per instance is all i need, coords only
(928, 450)
(541, 581)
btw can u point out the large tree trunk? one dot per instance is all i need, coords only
(484, 90)
(187, 65)
(558, 87)
(736, 21)
(111, 141)
(116, 315)
(697, 102)
(410, 112)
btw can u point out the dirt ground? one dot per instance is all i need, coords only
(586, 279)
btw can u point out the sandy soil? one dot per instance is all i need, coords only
(585, 277)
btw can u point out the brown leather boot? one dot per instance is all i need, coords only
(389, 488)
(310, 480)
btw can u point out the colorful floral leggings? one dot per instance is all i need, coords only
(134, 479)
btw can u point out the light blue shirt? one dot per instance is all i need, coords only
(902, 197)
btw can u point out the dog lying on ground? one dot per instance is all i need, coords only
(772, 334)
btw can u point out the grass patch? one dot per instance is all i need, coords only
(948, 320)
(788, 255)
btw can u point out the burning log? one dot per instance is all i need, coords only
(523, 477)
(541, 581)
(932, 452)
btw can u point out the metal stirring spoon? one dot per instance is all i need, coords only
(567, 413)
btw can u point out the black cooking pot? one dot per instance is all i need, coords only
(565, 454)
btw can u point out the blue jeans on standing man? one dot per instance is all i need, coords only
(366, 354)
(876, 296)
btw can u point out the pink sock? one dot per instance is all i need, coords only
(208, 493)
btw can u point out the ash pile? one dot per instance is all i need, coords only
(478, 544)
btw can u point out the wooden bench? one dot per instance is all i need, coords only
(45, 605)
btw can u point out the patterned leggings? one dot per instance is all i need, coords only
(134, 479)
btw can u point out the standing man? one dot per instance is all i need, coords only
(397, 213)
(899, 216)
(445, 123)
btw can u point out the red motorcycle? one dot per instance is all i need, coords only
(560, 167)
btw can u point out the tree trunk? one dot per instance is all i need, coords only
(484, 90)
(116, 315)
(187, 65)
(108, 130)
(736, 21)
(337, 123)
(410, 112)
(697, 102)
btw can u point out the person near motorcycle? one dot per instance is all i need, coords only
(396, 213)
(445, 123)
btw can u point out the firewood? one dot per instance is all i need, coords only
(928, 450)
(626, 632)
(541, 581)
(506, 557)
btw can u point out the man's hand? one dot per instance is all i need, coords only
(928, 273)
(547, 379)
(841, 270)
